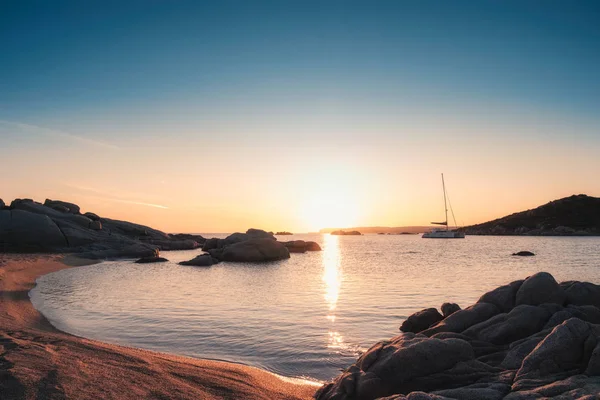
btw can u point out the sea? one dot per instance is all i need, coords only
(306, 317)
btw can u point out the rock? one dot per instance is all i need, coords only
(23, 231)
(449, 309)
(252, 250)
(568, 347)
(210, 244)
(203, 260)
(312, 246)
(521, 322)
(152, 259)
(186, 236)
(384, 369)
(72, 208)
(421, 320)
(342, 232)
(502, 297)
(463, 319)
(32, 226)
(283, 233)
(524, 254)
(540, 288)
(542, 350)
(581, 293)
(92, 216)
(2, 205)
(301, 246)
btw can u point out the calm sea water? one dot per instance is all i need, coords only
(308, 316)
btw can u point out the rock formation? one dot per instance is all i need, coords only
(150, 260)
(283, 233)
(571, 216)
(301, 246)
(58, 226)
(530, 339)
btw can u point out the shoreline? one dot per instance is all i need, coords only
(36, 358)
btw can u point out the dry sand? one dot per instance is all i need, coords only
(39, 362)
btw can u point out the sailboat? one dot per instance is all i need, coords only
(441, 233)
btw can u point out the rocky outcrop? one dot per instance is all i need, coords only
(58, 226)
(252, 250)
(2, 205)
(62, 206)
(214, 243)
(203, 260)
(343, 233)
(535, 338)
(301, 246)
(283, 233)
(577, 215)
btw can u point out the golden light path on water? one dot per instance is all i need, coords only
(332, 277)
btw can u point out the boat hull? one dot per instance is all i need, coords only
(443, 235)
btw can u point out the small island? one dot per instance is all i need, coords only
(344, 233)
(284, 233)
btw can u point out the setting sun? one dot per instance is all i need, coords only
(330, 209)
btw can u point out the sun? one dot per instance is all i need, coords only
(330, 210)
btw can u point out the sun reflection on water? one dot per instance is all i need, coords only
(332, 276)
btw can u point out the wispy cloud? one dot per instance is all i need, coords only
(140, 203)
(108, 196)
(39, 130)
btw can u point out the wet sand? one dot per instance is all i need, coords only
(39, 362)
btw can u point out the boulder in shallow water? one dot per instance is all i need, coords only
(252, 250)
(301, 246)
(421, 320)
(523, 254)
(152, 259)
(203, 260)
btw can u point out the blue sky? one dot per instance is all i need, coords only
(390, 83)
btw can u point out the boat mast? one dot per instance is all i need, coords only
(445, 204)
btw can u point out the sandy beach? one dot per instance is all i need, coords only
(39, 362)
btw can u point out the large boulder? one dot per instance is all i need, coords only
(463, 319)
(581, 293)
(301, 246)
(421, 320)
(502, 297)
(540, 288)
(2, 205)
(24, 231)
(252, 250)
(62, 205)
(399, 366)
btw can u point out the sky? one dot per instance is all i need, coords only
(299, 115)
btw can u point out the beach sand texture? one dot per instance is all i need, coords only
(39, 362)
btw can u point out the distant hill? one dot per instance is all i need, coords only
(577, 215)
(381, 229)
